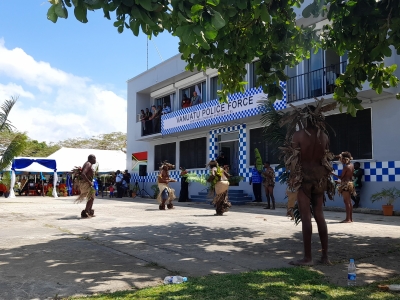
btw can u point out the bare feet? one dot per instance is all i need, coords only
(346, 221)
(302, 262)
(324, 261)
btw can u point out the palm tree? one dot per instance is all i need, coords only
(18, 143)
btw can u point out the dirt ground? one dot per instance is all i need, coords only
(46, 249)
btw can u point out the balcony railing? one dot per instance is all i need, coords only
(314, 84)
(150, 127)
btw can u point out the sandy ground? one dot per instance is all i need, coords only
(46, 249)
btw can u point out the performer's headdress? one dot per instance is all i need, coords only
(345, 156)
(213, 163)
(301, 118)
(166, 165)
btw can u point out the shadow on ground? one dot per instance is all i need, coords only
(140, 256)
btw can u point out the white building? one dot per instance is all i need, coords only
(191, 136)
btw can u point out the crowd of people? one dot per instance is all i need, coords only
(151, 120)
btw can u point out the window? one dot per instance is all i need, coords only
(193, 153)
(199, 88)
(169, 100)
(164, 152)
(352, 134)
(268, 152)
(215, 86)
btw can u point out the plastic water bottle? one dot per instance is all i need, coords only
(351, 273)
(174, 279)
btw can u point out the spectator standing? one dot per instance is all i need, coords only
(269, 184)
(256, 180)
(148, 122)
(166, 109)
(143, 120)
(111, 189)
(185, 101)
(357, 176)
(118, 182)
(195, 99)
(221, 160)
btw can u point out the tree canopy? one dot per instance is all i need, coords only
(34, 148)
(228, 34)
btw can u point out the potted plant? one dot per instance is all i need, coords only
(388, 195)
(234, 180)
(134, 190)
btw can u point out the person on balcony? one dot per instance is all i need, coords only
(185, 101)
(196, 99)
(148, 122)
(166, 109)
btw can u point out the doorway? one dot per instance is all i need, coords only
(231, 152)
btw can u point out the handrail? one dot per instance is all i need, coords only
(312, 84)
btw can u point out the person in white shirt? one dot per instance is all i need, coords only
(118, 182)
(166, 109)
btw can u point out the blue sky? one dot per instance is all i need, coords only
(70, 77)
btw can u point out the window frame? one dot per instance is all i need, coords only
(162, 149)
(199, 165)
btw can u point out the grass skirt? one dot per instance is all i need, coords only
(87, 192)
(220, 200)
(171, 192)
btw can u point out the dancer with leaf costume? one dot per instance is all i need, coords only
(308, 170)
(84, 178)
(166, 193)
(219, 185)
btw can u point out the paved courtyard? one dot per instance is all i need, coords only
(46, 249)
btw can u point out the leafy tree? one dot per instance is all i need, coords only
(17, 144)
(108, 141)
(227, 34)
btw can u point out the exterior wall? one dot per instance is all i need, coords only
(383, 170)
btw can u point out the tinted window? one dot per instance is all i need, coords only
(193, 153)
(164, 152)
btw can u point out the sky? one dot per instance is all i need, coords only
(70, 78)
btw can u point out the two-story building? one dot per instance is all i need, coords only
(191, 136)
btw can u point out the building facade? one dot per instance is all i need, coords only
(191, 136)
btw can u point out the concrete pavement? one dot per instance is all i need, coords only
(46, 249)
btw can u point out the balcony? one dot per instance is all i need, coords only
(316, 83)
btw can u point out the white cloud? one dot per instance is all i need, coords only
(55, 105)
(12, 89)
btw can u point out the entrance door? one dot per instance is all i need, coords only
(231, 153)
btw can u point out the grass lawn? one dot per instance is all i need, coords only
(289, 283)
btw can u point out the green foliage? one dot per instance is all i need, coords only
(193, 177)
(226, 35)
(49, 192)
(235, 180)
(6, 180)
(388, 195)
(258, 163)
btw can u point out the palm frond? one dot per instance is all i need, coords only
(4, 112)
(15, 148)
(193, 177)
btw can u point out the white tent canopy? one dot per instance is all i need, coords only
(108, 160)
(33, 164)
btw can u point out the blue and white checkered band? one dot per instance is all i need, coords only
(213, 148)
(239, 106)
(377, 171)
(384, 171)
